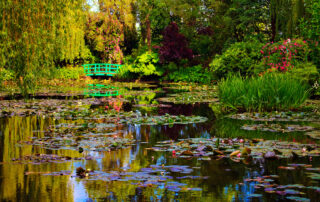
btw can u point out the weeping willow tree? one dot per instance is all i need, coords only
(35, 33)
(70, 31)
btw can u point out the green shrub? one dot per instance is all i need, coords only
(195, 74)
(316, 87)
(305, 72)
(270, 92)
(145, 64)
(67, 73)
(202, 47)
(243, 57)
(6, 75)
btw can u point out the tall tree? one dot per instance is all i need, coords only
(153, 16)
(106, 28)
(28, 31)
(284, 18)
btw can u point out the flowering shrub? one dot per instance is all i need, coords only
(284, 55)
(104, 36)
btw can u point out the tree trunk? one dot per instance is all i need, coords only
(148, 25)
(273, 16)
(273, 28)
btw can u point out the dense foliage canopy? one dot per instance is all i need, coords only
(219, 37)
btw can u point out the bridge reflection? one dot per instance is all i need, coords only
(100, 90)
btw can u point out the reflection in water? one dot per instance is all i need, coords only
(14, 184)
(225, 183)
(99, 90)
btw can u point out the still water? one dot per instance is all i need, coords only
(207, 180)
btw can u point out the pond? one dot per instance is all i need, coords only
(162, 142)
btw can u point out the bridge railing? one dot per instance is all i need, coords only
(101, 69)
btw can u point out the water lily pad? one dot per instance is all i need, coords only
(277, 116)
(296, 198)
(277, 128)
(255, 195)
(314, 134)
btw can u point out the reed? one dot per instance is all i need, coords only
(266, 93)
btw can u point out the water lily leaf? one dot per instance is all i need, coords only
(314, 134)
(186, 153)
(270, 155)
(296, 198)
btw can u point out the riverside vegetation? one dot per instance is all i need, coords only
(215, 101)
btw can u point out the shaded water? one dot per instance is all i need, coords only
(226, 179)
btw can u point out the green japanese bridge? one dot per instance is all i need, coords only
(99, 90)
(101, 69)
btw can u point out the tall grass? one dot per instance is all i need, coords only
(266, 93)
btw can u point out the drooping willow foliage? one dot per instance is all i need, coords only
(36, 33)
(70, 33)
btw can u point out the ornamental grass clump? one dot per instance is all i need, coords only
(269, 92)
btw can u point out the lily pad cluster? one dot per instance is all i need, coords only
(277, 128)
(295, 192)
(153, 176)
(190, 86)
(10, 108)
(152, 105)
(89, 143)
(130, 117)
(87, 129)
(236, 149)
(80, 109)
(46, 158)
(278, 116)
(191, 97)
(314, 134)
(166, 120)
(59, 173)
